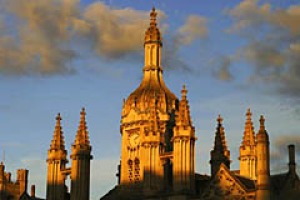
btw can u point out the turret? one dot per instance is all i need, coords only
(263, 162)
(184, 148)
(147, 125)
(81, 156)
(57, 159)
(22, 179)
(220, 153)
(247, 150)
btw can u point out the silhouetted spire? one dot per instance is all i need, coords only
(220, 153)
(58, 141)
(82, 137)
(249, 134)
(220, 140)
(183, 116)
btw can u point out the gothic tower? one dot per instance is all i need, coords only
(263, 162)
(81, 156)
(184, 146)
(146, 122)
(57, 159)
(220, 153)
(247, 150)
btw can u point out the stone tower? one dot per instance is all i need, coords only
(247, 150)
(157, 152)
(81, 156)
(263, 162)
(57, 159)
(22, 179)
(184, 147)
(220, 153)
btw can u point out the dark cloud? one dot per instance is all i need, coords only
(221, 68)
(279, 152)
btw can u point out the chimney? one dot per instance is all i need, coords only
(292, 163)
(32, 192)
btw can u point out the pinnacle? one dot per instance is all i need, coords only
(82, 137)
(184, 110)
(220, 140)
(219, 120)
(249, 135)
(184, 91)
(262, 122)
(153, 15)
(58, 138)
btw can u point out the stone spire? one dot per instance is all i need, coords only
(82, 137)
(220, 140)
(183, 148)
(183, 117)
(152, 84)
(249, 134)
(57, 160)
(248, 150)
(220, 153)
(81, 156)
(58, 142)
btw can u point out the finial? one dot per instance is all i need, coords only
(183, 91)
(248, 114)
(219, 119)
(82, 111)
(262, 122)
(58, 117)
(153, 15)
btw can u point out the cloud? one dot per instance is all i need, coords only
(279, 153)
(115, 32)
(273, 41)
(45, 37)
(39, 44)
(194, 28)
(222, 68)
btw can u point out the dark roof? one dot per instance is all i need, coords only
(285, 181)
(26, 196)
(248, 183)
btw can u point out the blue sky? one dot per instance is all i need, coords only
(58, 56)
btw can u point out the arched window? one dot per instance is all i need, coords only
(130, 170)
(136, 170)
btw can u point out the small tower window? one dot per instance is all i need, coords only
(136, 170)
(130, 170)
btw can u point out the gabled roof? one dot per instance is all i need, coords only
(228, 184)
(26, 196)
